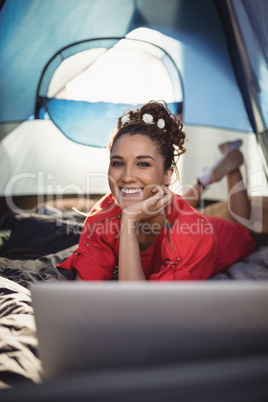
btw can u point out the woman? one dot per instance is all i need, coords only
(141, 230)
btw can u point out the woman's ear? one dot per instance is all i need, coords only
(167, 177)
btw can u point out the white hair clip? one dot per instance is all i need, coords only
(125, 119)
(148, 118)
(161, 123)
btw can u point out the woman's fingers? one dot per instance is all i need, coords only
(152, 206)
(162, 197)
(166, 198)
(161, 192)
(158, 191)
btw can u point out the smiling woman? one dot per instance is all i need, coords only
(141, 230)
(133, 175)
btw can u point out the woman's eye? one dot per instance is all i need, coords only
(117, 164)
(143, 164)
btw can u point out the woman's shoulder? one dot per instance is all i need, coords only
(181, 209)
(186, 220)
(102, 221)
(187, 227)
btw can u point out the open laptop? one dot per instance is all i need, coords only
(91, 326)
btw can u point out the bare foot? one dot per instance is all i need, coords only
(226, 147)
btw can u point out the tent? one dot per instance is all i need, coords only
(69, 68)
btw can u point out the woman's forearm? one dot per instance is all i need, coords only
(129, 265)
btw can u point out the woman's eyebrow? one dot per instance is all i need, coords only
(145, 157)
(116, 157)
(137, 157)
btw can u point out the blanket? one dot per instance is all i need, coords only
(36, 243)
(19, 361)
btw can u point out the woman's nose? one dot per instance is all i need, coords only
(128, 175)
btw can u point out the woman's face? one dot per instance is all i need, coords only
(136, 167)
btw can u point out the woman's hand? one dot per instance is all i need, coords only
(129, 264)
(152, 206)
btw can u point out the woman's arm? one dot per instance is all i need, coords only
(129, 264)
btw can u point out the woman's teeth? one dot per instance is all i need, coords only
(131, 190)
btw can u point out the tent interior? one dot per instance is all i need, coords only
(70, 69)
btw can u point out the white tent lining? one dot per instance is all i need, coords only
(39, 159)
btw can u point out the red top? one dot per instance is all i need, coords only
(190, 247)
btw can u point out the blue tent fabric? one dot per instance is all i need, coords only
(89, 123)
(32, 31)
(252, 17)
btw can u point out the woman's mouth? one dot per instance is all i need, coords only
(130, 191)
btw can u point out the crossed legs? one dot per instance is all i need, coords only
(228, 165)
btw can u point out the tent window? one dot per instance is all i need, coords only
(91, 88)
(120, 76)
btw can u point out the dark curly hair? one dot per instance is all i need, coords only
(169, 139)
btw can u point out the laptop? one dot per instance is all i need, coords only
(93, 326)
